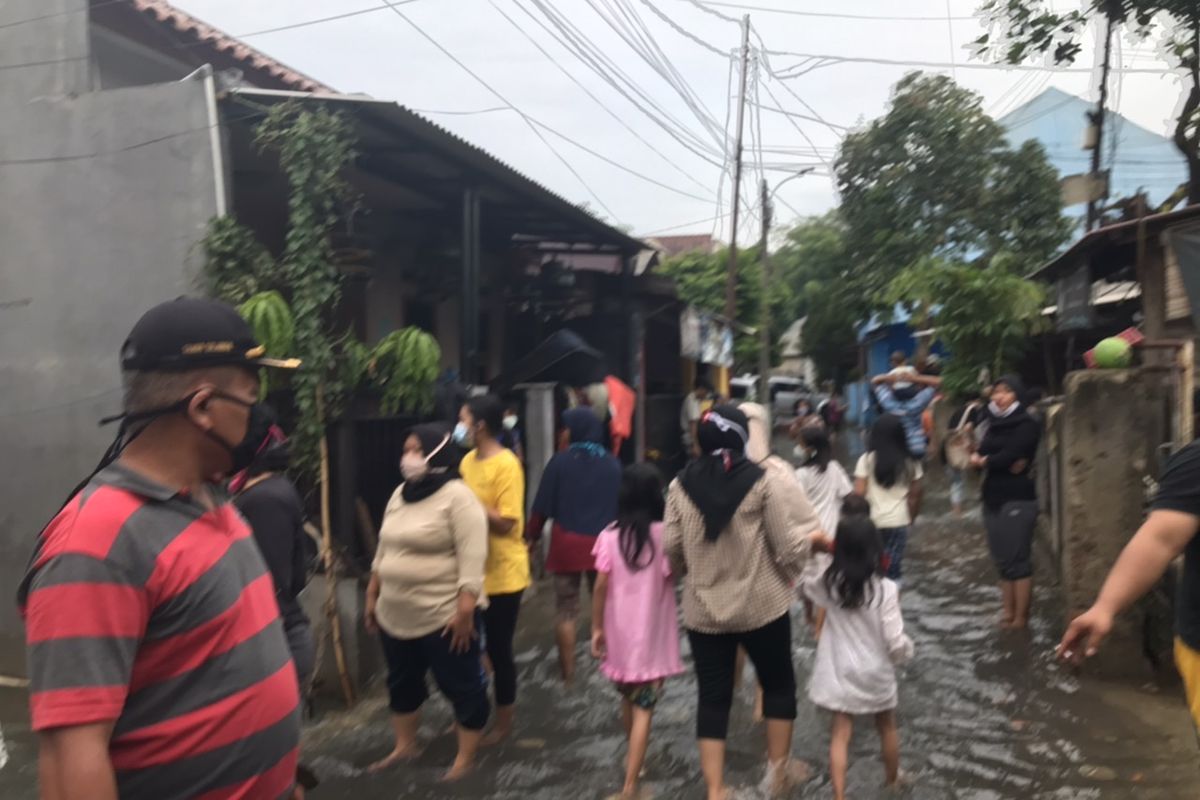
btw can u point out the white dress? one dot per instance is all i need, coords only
(855, 672)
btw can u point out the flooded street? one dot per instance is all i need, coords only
(984, 715)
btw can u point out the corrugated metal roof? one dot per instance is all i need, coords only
(415, 124)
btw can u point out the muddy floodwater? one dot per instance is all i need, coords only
(983, 715)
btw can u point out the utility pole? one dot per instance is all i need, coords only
(731, 275)
(1097, 119)
(764, 321)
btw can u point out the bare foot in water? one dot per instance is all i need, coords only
(397, 756)
(785, 777)
(458, 771)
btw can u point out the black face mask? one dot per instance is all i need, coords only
(262, 419)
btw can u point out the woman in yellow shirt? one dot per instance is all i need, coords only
(495, 476)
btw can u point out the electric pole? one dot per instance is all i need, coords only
(1097, 119)
(731, 276)
(764, 322)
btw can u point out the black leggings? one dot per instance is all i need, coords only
(500, 625)
(715, 658)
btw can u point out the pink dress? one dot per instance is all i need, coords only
(640, 627)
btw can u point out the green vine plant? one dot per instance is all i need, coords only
(404, 366)
(314, 146)
(274, 327)
(290, 304)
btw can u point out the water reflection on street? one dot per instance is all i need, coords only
(984, 715)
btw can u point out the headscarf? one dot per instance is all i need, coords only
(719, 480)
(441, 454)
(1015, 383)
(579, 486)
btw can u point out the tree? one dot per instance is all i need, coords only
(984, 317)
(814, 266)
(1024, 29)
(700, 281)
(935, 177)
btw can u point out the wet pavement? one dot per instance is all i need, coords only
(984, 715)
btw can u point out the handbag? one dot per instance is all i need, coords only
(960, 444)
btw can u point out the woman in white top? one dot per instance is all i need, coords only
(854, 672)
(890, 479)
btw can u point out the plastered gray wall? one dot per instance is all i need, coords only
(103, 196)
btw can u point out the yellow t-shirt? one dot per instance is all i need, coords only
(499, 483)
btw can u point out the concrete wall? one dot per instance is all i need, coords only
(1111, 425)
(103, 197)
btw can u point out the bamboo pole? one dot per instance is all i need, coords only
(330, 561)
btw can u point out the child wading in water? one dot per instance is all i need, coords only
(634, 627)
(854, 673)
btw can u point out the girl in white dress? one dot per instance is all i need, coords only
(854, 673)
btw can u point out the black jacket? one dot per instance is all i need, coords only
(1009, 440)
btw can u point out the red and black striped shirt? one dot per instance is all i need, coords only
(146, 609)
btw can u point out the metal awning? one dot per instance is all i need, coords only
(432, 166)
(1110, 249)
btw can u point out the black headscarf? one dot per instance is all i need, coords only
(443, 457)
(719, 480)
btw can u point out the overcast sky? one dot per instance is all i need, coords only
(380, 54)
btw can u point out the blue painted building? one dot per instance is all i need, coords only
(1140, 160)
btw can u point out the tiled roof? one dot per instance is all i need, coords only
(688, 243)
(181, 22)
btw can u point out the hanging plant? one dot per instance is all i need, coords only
(274, 328)
(404, 365)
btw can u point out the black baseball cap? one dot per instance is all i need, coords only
(193, 333)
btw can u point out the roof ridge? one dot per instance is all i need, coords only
(183, 22)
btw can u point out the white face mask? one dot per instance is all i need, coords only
(510, 423)
(413, 467)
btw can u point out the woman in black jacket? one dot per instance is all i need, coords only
(1010, 509)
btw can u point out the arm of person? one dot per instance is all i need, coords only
(74, 764)
(599, 601)
(1018, 445)
(886, 378)
(468, 527)
(887, 399)
(861, 474)
(84, 619)
(932, 381)
(372, 599)
(510, 500)
(791, 524)
(1161, 539)
(270, 517)
(673, 532)
(916, 492)
(899, 645)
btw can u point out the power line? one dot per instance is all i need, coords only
(797, 115)
(831, 59)
(592, 95)
(460, 113)
(802, 132)
(706, 221)
(572, 40)
(836, 15)
(126, 148)
(505, 100)
(642, 41)
(682, 30)
(27, 64)
(619, 165)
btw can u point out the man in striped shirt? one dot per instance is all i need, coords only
(157, 658)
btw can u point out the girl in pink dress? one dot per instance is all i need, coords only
(634, 630)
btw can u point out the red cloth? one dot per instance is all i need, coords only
(621, 404)
(570, 551)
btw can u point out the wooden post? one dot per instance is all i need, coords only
(330, 561)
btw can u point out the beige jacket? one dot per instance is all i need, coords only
(744, 579)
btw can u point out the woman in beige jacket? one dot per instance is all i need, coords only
(424, 595)
(740, 535)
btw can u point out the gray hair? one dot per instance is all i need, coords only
(150, 390)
